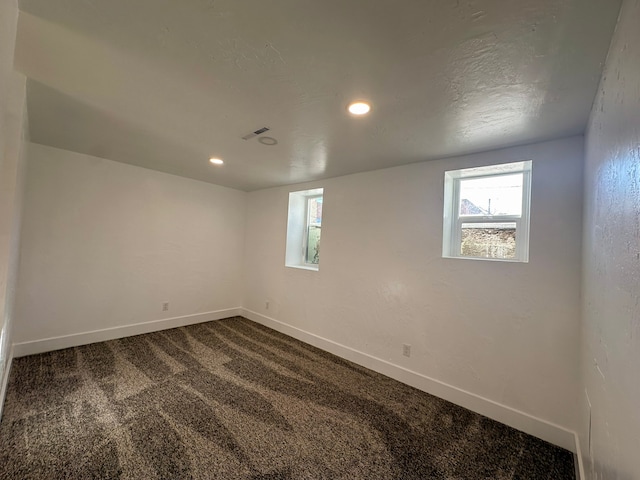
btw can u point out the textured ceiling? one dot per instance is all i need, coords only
(166, 84)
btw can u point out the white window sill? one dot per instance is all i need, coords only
(505, 260)
(304, 267)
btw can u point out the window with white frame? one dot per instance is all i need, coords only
(304, 227)
(486, 212)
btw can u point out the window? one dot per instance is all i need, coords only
(304, 228)
(486, 212)
(312, 234)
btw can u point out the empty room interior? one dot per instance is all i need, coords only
(170, 169)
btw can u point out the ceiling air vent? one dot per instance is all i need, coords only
(260, 131)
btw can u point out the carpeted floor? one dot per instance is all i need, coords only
(232, 399)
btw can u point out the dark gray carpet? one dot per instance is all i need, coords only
(232, 399)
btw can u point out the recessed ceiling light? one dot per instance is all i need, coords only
(359, 108)
(216, 161)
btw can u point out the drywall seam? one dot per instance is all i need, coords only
(5, 380)
(74, 340)
(524, 422)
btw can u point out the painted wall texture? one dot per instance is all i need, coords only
(12, 128)
(504, 331)
(611, 272)
(105, 244)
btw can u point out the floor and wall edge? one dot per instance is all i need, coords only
(580, 473)
(5, 380)
(57, 343)
(524, 422)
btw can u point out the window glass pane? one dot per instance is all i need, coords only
(314, 215)
(488, 196)
(315, 211)
(488, 240)
(313, 245)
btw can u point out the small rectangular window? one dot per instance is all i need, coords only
(314, 227)
(486, 212)
(304, 229)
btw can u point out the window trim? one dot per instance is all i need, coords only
(298, 229)
(452, 220)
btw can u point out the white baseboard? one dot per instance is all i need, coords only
(5, 380)
(522, 421)
(57, 343)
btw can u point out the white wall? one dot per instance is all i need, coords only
(12, 131)
(503, 331)
(611, 273)
(104, 244)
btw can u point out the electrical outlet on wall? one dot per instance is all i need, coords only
(165, 306)
(266, 305)
(406, 350)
